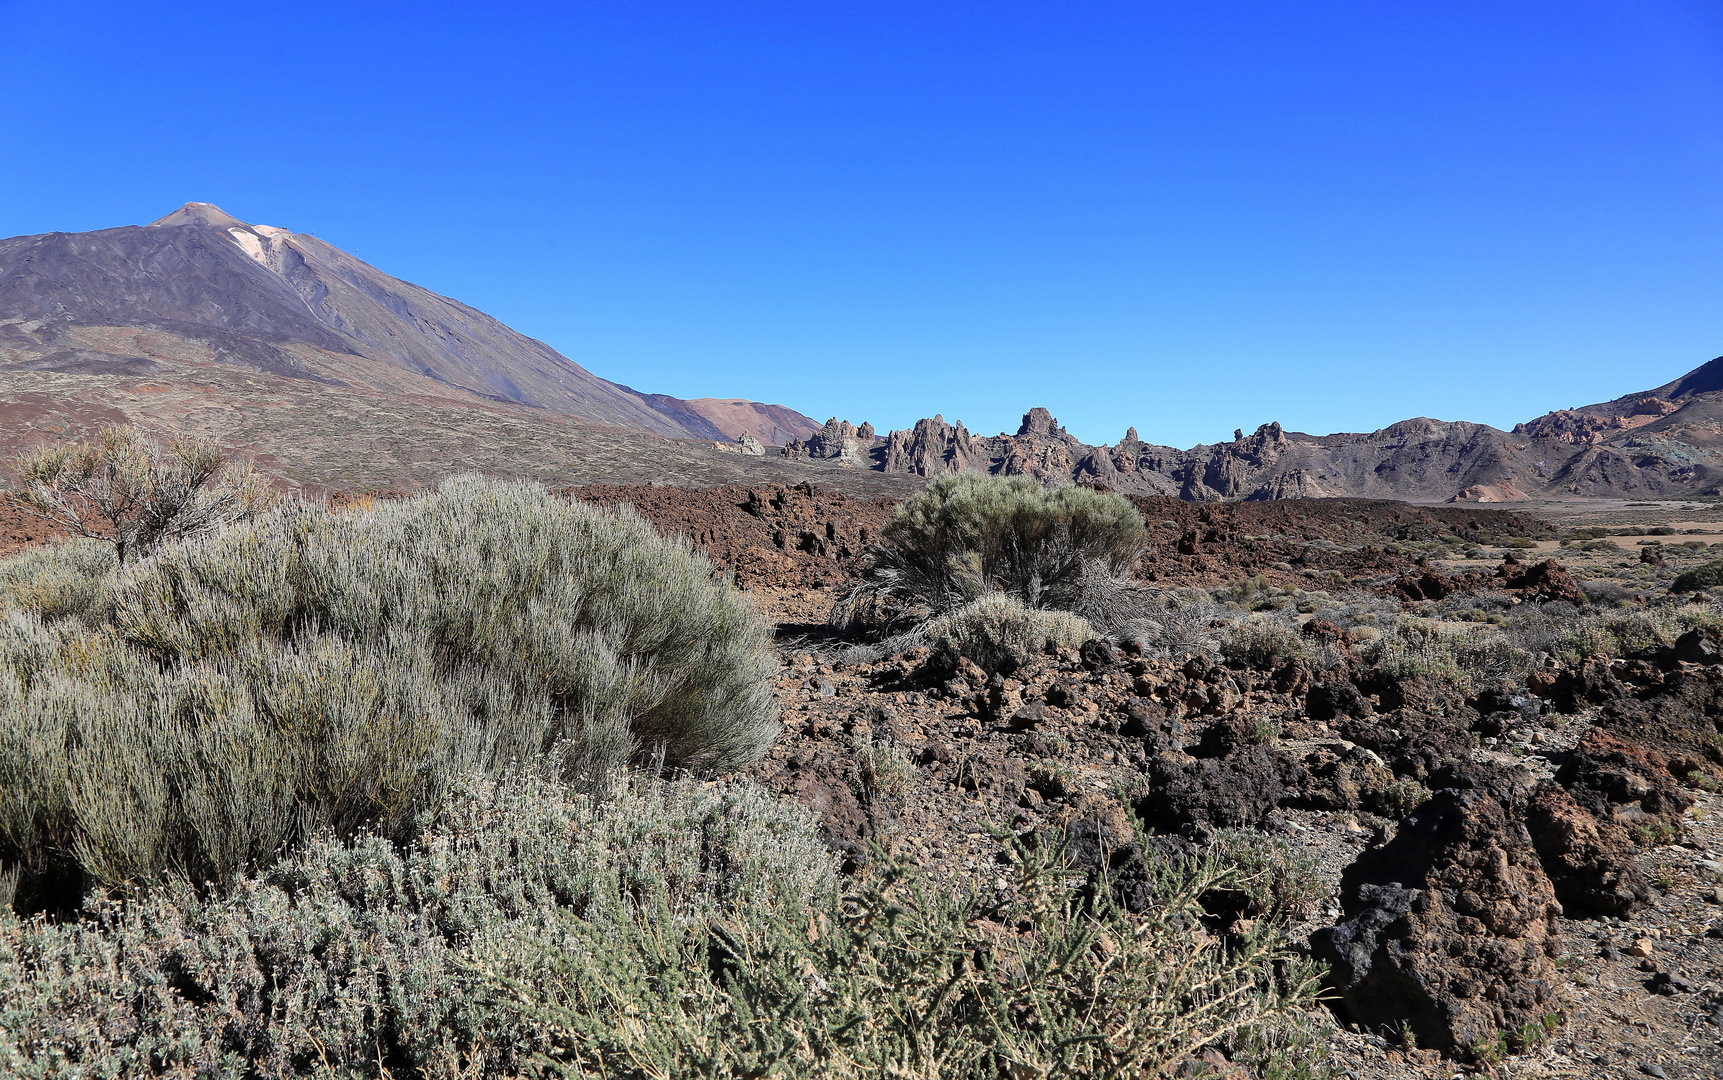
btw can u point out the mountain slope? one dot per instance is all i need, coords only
(249, 292)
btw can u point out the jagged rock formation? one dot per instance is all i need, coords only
(1661, 443)
(838, 441)
(292, 305)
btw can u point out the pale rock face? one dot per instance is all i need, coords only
(838, 441)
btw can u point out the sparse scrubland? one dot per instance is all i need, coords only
(416, 790)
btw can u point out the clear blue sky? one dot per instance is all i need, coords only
(1188, 217)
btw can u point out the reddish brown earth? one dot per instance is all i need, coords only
(20, 530)
(1290, 541)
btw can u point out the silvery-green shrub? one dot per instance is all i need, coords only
(967, 535)
(662, 930)
(315, 669)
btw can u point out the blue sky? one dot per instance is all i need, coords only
(1185, 217)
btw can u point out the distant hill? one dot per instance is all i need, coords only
(1656, 443)
(200, 282)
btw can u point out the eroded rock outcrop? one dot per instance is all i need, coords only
(1589, 862)
(838, 440)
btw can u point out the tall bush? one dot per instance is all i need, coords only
(315, 669)
(966, 535)
(123, 488)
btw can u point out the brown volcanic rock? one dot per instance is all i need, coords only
(1643, 445)
(1589, 862)
(1619, 782)
(932, 447)
(838, 441)
(1545, 582)
(765, 536)
(1450, 928)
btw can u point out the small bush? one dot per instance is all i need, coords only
(317, 670)
(366, 959)
(1261, 643)
(1700, 577)
(122, 488)
(1604, 593)
(1281, 881)
(996, 627)
(1472, 658)
(56, 581)
(966, 535)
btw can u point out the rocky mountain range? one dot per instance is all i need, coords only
(334, 373)
(202, 283)
(1657, 443)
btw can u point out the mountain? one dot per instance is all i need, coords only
(291, 305)
(1666, 442)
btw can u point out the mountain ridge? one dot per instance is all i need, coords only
(1662, 442)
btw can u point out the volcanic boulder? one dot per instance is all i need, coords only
(1590, 863)
(1449, 928)
(1617, 781)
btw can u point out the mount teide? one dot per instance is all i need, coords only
(291, 305)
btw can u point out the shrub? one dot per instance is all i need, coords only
(1471, 658)
(1700, 577)
(122, 488)
(672, 931)
(1276, 879)
(966, 535)
(323, 670)
(995, 627)
(364, 958)
(1605, 593)
(1170, 625)
(57, 580)
(1261, 643)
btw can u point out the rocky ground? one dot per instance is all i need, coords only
(1569, 824)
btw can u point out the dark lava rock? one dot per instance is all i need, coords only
(1546, 582)
(1341, 776)
(1413, 743)
(1591, 683)
(1510, 785)
(1697, 646)
(1425, 586)
(1098, 654)
(1620, 782)
(1449, 929)
(1330, 633)
(1681, 715)
(1237, 791)
(825, 783)
(1328, 700)
(1589, 862)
